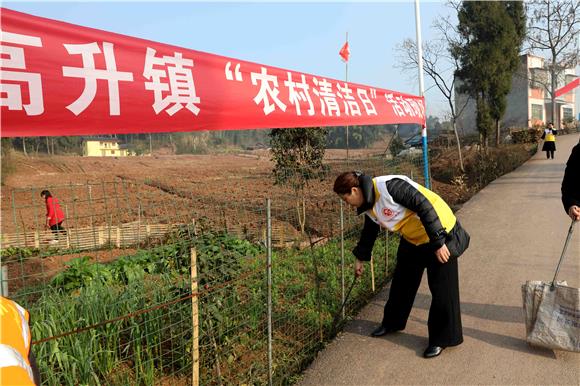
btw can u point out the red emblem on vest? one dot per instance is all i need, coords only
(388, 212)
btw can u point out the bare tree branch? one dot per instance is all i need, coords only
(436, 56)
(554, 28)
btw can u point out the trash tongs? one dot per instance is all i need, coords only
(570, 231)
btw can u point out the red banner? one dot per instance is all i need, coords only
(61, 79)
(567, 88)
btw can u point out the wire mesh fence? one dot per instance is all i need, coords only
(161, 281)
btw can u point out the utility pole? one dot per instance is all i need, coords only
(346, 80)
(422, 93)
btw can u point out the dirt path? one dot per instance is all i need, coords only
(518, 228)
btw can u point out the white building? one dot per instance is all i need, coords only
(528, 102)
(104, 147)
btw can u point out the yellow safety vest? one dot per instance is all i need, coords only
(15, 341)
(396, 218)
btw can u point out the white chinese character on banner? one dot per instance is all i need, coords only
(395, 105)
(181, 87)
(266, 91)
(13, 58)
(351, 106)
(417, 107)
(327, 97)
(406, 106)
(367, 104)
(302, 95)
(91, 74)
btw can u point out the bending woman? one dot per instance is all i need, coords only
(431, 238)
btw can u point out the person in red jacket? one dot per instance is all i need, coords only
(54, 213)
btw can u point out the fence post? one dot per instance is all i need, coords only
(76, 223)
(269, 275)
(37, 226)
(3, 280)
(195, 318)
(386, 253)
(139, 225)
(342, 258)
(119, 218)
(67, 233)
(90, 189)
(116, 199)
(14, 213)
(107, 214)
(101, 236)
(23, 229)
(373, 273)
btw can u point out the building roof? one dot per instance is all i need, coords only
(101, 139)
(532, 56)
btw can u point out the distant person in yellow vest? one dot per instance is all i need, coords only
(549, 137)
(431, 238)
(17, 364)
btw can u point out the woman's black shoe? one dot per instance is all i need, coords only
(382, 330)
(432, 351)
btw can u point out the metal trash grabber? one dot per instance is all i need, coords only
(563, 253)
(337, 315)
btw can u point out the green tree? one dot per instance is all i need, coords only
(490, 38)
(358, 136)
(436, 63)
(501, 82)
(484, 121)
(433, 123)
(297, 156)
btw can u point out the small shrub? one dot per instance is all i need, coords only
(488, 166)
(530, 135)
(79, 273)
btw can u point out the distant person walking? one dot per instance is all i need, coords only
(571, 185)
(54, 213)
(549, 137)
(431, 238)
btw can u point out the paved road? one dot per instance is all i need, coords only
(518, 227)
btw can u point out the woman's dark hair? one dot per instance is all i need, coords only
(346, 181)
(45, 193)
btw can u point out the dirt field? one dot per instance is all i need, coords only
(229, 190)
(226, 190)
(40, 270)
(223, 192)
